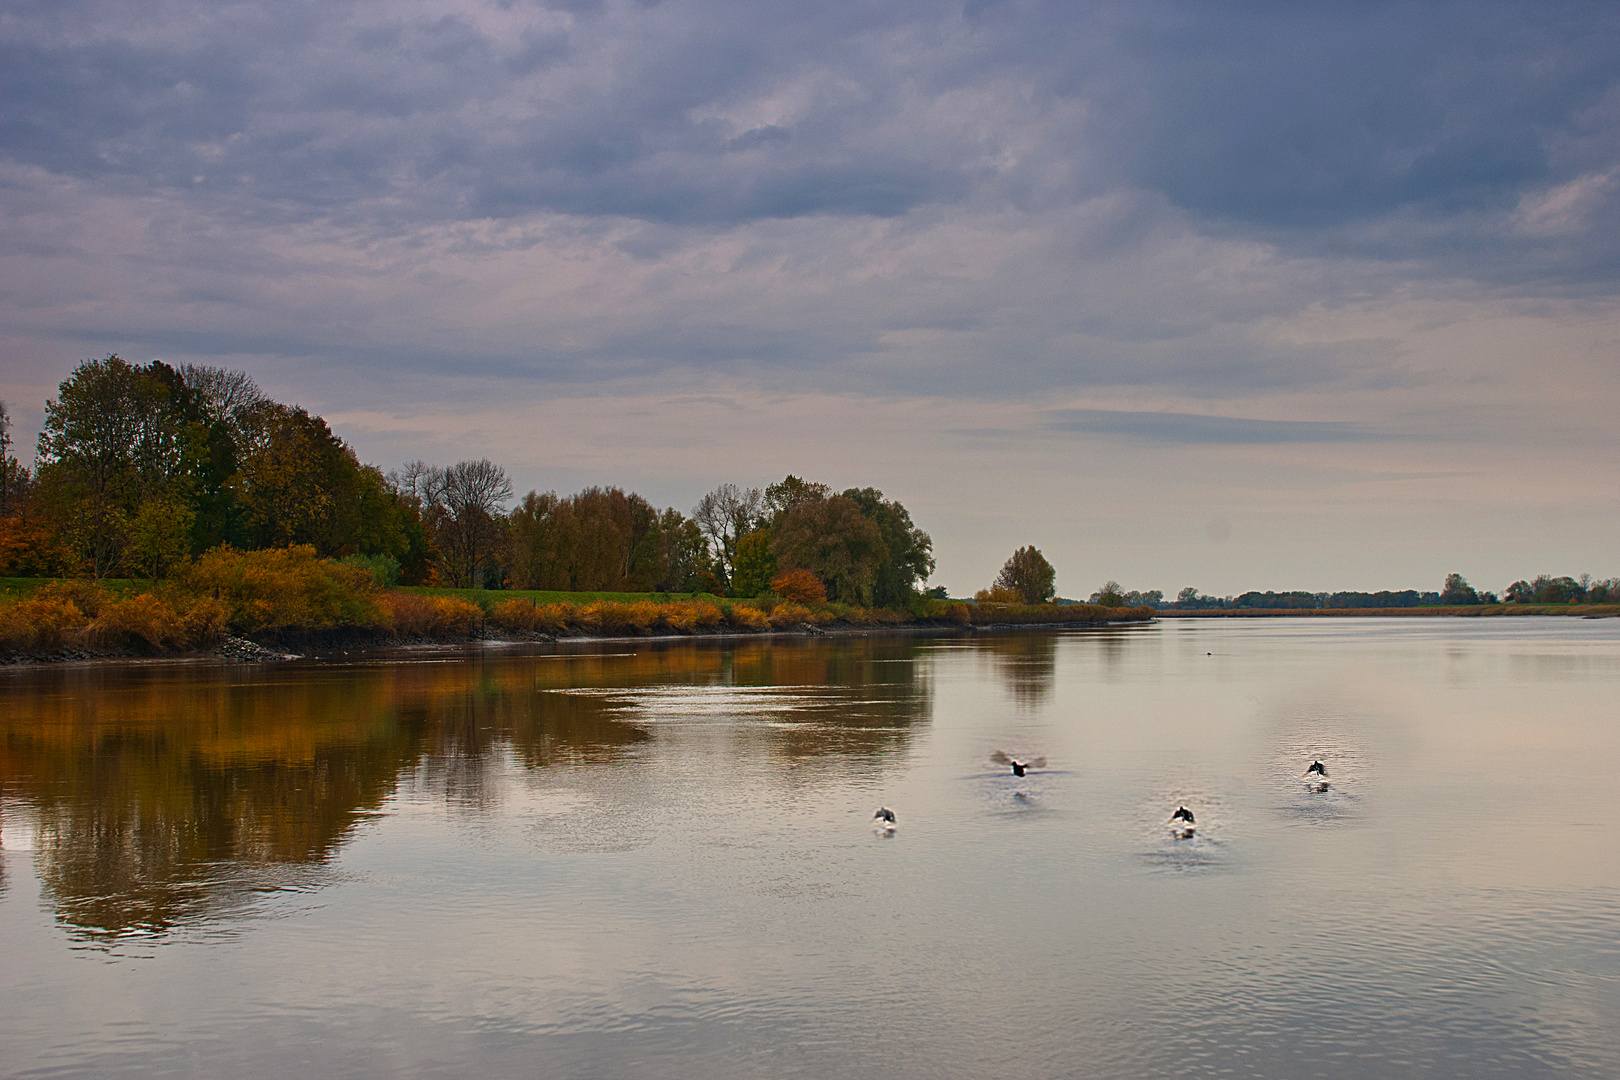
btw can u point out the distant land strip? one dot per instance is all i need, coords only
(1590, 611)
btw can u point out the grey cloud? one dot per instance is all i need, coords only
(985, 202)
(1314, 124)
(1175, 427)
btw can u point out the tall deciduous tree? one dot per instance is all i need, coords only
(110, 440)
(298, 483)
(832, 539)
(1029, 575)
(909, 552)
(13, 477)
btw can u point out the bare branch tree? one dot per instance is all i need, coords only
(725, 515)
(466, 504)
(224, 393)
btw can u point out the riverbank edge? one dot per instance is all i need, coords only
(320, 644)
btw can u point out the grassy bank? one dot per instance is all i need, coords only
(289, 596)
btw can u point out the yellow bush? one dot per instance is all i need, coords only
(39, 623)
(556, 617)
(603, 617)
(430, 616)
(690, 616)
(681, 616)
(203, 620)
(87, 596)
(644, 615)
(789, 614)
(515, 614)
(141, 617)
(287, 588)
(745, 617)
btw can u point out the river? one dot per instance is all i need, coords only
(659, 859)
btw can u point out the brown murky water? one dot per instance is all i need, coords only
(658, 859)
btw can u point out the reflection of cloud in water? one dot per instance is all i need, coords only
(802, 700)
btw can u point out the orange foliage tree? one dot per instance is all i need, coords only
(800, 586)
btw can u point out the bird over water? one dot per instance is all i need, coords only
(1018, 767)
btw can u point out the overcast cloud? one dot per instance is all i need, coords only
(1249, 295)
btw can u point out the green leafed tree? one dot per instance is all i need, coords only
(1457, 591)
(1028, 574)
(755, 564)
(908, 551)
(1109, 594)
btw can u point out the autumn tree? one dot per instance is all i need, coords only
(298, 483)
(680, 553)
(601, 539)
(1028, 575)
(789, 492)
(223, 396)
(1110, 594)
(800, 586)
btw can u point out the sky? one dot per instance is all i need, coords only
(1234, 296)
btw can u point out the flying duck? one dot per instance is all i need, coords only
(1182, 814)
(884, 819)
(1018, 767)
(1318, 768)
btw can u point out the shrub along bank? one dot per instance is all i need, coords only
(290, 595)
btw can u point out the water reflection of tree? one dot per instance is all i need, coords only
(160, 796)
(167, 797)
(1026, 664)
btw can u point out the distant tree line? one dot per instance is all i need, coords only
(1455, 591)
(141, 468)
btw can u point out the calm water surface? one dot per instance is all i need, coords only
(657, 860)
